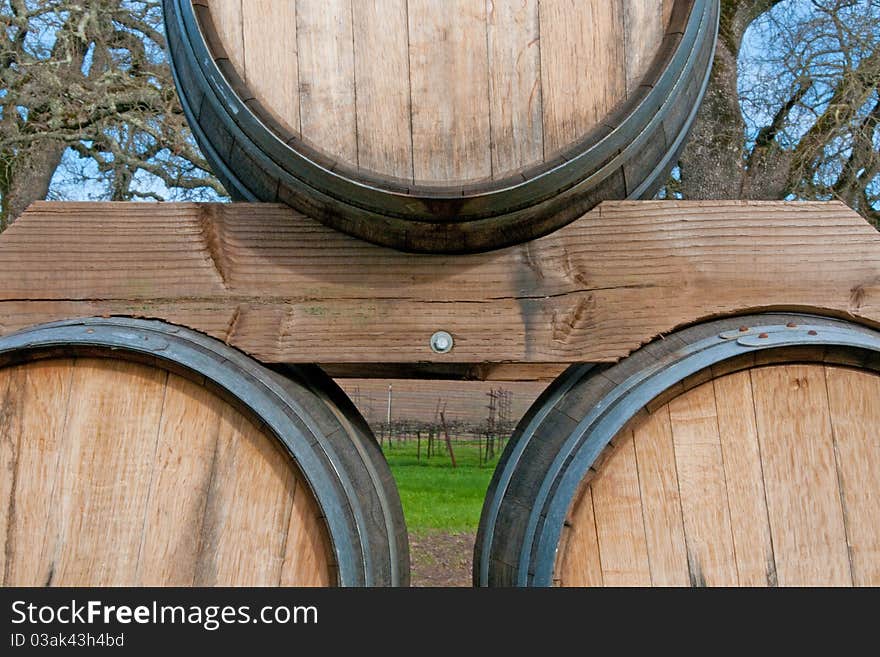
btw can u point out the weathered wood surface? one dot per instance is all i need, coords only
(192, 493)
(769, 478)
(284, 288)
(440, 92)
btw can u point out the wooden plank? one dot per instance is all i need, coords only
(306, 558)
(12, 400)
(745, 481)
(661, 502)
(270, 58)
(644, 29)
(704, 499)
(800, 476)
(618, 509)
(668, 7)
(583, 67)
(248, 509)
(99, 502)
(580, 562)
(854, 400)
(450, 91)
(515, 85)
(179, 487)
(34, 399)
(227, 17)
(285, 289)
(326, 77)
(382, 80)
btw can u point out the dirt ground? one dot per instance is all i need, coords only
(441, 559)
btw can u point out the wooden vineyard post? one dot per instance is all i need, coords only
(448, 439)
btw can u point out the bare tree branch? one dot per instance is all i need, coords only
(794, 114)
(89, 102)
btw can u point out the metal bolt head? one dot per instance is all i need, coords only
(764, 336)
(442, 342)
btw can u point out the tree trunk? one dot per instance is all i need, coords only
(30, 177)
(712, 160)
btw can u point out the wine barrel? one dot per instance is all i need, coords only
(441, 127)
(143, 454)
(736, 453)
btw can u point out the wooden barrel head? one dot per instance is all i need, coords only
(764, 477)
(738, 452)
(441, 126)
(124, 474)
(440, 93)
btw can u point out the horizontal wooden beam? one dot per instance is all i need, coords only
(284, 288)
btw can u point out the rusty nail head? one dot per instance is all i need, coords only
(791, 325)
(743, 329)
(812, 332)
(764, 336)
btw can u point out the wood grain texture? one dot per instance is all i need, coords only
(271, 63)
(515, 85)
(34, 403)
(581, 562)
(11, 395)
(854, 403)
(743, 474)
(249, 504)
(807, 434)
(617, 504)
(797, 448)
(476, 71)
(704, 497)
(307, 561)
(325, 51)
(179, 486)
(104, 473)
(661, 501)
(450, 90)
(227, 18)
(668, 7)
(583, 67)
(381, 57)
(124, 474)
(644, 27)
(283, 288)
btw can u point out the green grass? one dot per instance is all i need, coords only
(435, 495)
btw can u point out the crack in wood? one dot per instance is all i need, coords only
(233, 324)
(695, 572)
